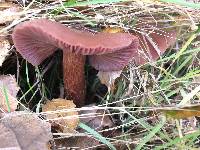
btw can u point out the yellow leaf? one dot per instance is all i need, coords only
(59, 112)
(182, 112)
(113, 30)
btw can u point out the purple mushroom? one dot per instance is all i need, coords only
(37, 39)
(153, 43)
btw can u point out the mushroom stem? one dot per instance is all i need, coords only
(74, 79)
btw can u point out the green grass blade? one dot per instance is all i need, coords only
(97, 135)
(178, 140)
(183, 49)
(183, 3)
(73, 3)
(151, 134)
(147, 126)
(191, 51)
(6, 98)
(182, 65)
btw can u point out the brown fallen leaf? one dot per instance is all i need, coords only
(182, 112)
(8, 92)
(96, 119)
(9, 105)
(8, 138)
(62, 120)
(76, 142)
(23, 131)
(9, 82)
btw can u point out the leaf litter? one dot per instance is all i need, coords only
(24, 131)
(4, 49)
(57, 112)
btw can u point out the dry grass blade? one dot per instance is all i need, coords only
(182, 112)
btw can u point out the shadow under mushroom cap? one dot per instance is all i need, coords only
(37, 39)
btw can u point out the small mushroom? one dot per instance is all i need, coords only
(37, 39)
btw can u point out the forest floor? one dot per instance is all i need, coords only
(154, 105)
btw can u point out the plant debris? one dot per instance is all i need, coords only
(8, 93)
(182, 112)
(9, 14)
(4, 49)
(24, 131)
(61, 114)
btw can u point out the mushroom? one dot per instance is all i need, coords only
(153, 43)
(37, 39)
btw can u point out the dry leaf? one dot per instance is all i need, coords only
(182, 112)
(77, 142)
(9, 14)
(9, 106)
(96, 119)
(5, 5)
(21, 131)
(4, 49)
(113, 30)
(64, 120)
(8, 89)
(8, 139)
(9, 82)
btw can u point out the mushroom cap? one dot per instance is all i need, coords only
(37, 39)
(153, 43)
